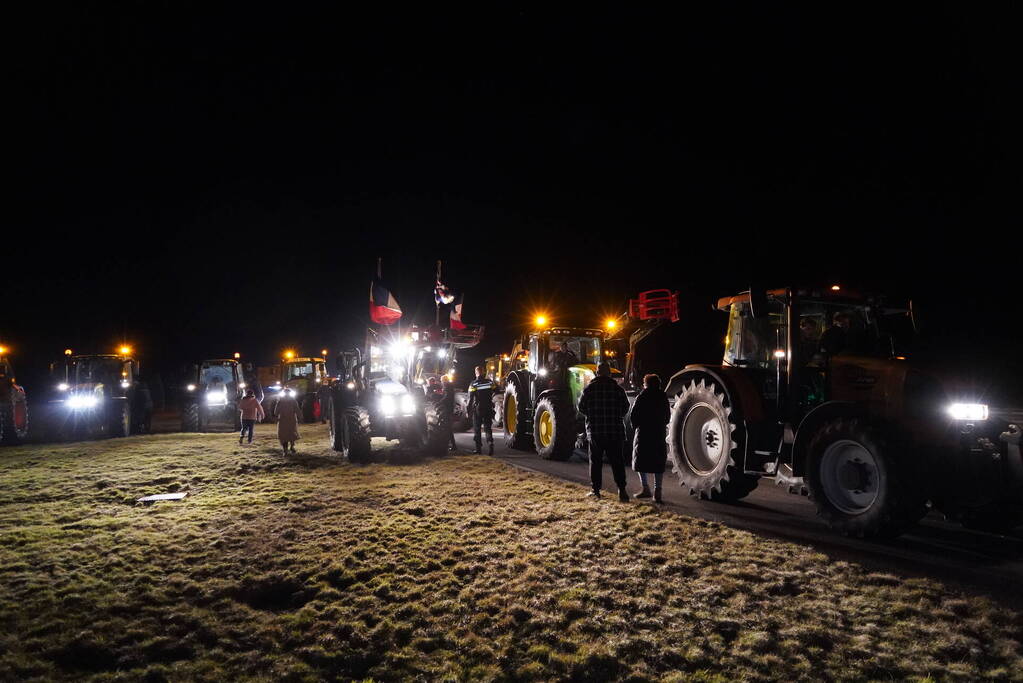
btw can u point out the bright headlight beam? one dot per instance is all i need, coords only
(968, 411)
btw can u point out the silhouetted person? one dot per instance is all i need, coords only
(251, 411)
(604, 404)
(836, 338)
(481, 410)
(649, 417)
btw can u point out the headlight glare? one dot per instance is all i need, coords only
(968, 411)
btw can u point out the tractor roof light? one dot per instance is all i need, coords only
(289, 354)
(3, 350)
(237, 355)
(540, 320)
(124, 350)
(835, 288)
(611, 323)
(68, 352)
(323, 352)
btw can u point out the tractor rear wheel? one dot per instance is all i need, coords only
(190, 417)
(516, 418)
(859, 487)
(120, 420)
(309, 409)
(554, 429)
(703, 438)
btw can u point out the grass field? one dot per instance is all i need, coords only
(304, 567)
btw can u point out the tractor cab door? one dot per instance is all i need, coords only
(759, 345)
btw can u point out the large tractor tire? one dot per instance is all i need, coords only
(438, 427)
(350, 432)
(517, 427)
(13, 423)
(309, 409)
(120, 419)
(859, 487)
(998, 518)
(704, 437)
(554, 429)
(460, 421)
(190, 417)
(499, 411)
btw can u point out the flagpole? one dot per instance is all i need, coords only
(436, 301)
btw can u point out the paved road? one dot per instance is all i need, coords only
(978, 562)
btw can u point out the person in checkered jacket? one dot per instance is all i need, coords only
(604, 404)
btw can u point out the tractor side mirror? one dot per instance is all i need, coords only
(757, 302)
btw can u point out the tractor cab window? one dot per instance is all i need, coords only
(216, 376)
(752, 342)
(828, 329)
(299, 371)
(534, 355)
(575, 350)
(95, 370)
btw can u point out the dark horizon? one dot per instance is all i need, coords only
(206, 182)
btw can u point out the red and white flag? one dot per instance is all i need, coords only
(456, 313)
(383, 307)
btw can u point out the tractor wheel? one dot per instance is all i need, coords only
(308, 409)
(499, 410)
(996, 518)
(703, 438)
(357, 423)
(190, 417)
(460, 421)
(859, 487)
(554, 429)
(516, 419)
(120, 419)
(438, 426)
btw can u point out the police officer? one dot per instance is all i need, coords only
(481, 409)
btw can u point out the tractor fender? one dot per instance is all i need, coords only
(522, 380)
(812, 422)
(552, 393)
(739, 389)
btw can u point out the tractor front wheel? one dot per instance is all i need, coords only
(554, 429)
(516, 418)
(859, 486)
(703, 438)
(120, 420)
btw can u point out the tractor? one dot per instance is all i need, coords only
(300, 378)
(348, 418)
(210, 399)
(100, 395)
(816, 390)
(541, 399)
(435, 356)
(13, 404)
(497, 369)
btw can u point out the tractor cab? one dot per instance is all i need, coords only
(102, 394)
(799, 346)
(565, 357)
(211, 395)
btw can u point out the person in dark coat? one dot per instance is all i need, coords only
(649, 417)
(604, 404)
(446, 403)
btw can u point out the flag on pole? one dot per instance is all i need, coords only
(441, 294)
(456, 313)
(383, 307)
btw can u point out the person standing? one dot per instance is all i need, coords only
(251, 411)
(604, 404)
(649, 417)
(481, 410)
(288, 415)
(447, 409)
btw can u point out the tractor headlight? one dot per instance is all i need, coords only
(350, 385)
(190, 387)
(542, 372)
(125, 384)
(241, 385)
(217, 398)
(974, 412)
(62, 386)
(408, 404)
(82, 401)
(387, 405)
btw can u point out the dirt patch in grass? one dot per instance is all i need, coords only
(306, 567)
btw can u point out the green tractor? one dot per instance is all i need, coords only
(211, 397)
(541, 399)
(13, 405)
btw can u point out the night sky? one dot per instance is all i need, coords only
(204, 181)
